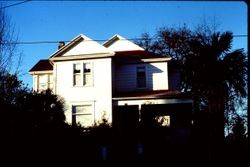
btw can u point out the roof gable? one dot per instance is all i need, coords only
(118, 43)
(80, 45)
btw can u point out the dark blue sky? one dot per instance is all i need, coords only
(63, 20)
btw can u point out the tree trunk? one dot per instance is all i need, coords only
(216, 121)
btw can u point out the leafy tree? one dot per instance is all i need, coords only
(239, 130)
(173, 42)
(236, 141)
(215, 74)
(29, 112)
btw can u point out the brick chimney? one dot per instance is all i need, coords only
(61, 44)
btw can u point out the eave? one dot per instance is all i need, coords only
(82, 56)
(41, 72)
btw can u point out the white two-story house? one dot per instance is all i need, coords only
(118, 80)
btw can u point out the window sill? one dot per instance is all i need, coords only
(82, 86)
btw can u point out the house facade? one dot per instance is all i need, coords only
(117, 80)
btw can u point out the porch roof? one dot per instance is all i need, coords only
(42, 65)
(156, 94)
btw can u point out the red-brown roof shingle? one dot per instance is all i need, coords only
(42, 65)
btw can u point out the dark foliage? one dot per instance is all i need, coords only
(215, 74)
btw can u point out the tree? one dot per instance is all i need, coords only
(218, 75)
(214, 74)
(173, 42)
(8, 44)
(25, 111)
(236, 141)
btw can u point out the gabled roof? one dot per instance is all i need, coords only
(42, 65)
(118, 43)
(80, 45)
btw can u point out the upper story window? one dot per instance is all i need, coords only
(87, 74)
(82, 74)
(141, 77)
(77, 74)
(45, 81)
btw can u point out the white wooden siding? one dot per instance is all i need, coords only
(100, 92)
(156, 76)
(125, 78)
(159, 74)
(35, 82)
(87, 47)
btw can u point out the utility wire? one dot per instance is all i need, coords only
(96, 40)
(15, 4)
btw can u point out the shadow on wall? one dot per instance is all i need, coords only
(134, 77)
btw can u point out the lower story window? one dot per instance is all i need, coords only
(83, 114)
(163, 120)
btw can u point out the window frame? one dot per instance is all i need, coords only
(48, 81)
(75, 84)
(83, 74)
(145, 77)
(87, 73)
(74, 114)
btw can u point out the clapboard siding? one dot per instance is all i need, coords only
(156, 76)
(125, 78)
(99, 94)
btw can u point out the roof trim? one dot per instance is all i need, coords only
(41, 72)
(157, 94)
(156, 59)
(111, 40)
(67, 46)
(83, 56)
(117, 38)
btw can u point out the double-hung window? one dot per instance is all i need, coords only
(87, 74)
(141, 77)
(45, 81)
(42, 82)
(83, 114)
(82, 74)
(77, 74)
